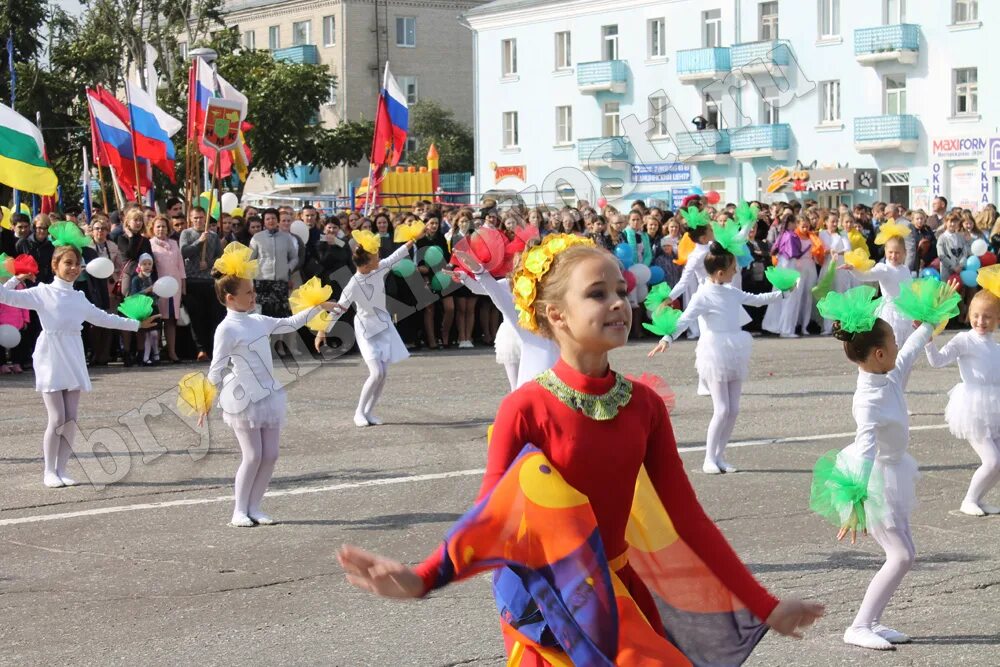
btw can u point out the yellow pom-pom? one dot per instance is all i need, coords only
(368, 241)
(859, 259)
(989, 279)
(312, 293)
(408, 232)
(235, 261)
(195, 394)
(891, 230)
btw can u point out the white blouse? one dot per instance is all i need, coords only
(978, 358)
(694, 273)
(367, 293)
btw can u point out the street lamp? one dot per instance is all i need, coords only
(206, 54)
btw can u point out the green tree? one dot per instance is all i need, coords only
(430, 123)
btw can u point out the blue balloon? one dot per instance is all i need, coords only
(656, 275)
(695, 190)
(930, 272)
(744, 260)
(973, 264)
(969, 277)
(625, 254)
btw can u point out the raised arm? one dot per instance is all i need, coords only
(949, 354)
(500, 295)
(295, 322)
(28, 298)
(100, 318)
(401, 253)
(760, 299)
(911, 349)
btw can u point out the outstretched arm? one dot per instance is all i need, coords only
(949, 354)
(28, 299)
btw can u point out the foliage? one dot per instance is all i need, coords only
(432, 123)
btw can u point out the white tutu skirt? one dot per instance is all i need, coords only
(973, 411)
(507, 344)
(892, 488)
(385, 346)
(268, 411)
(723, 357)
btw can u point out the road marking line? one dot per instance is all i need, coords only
(386, 481)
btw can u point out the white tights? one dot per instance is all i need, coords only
(259, 447)
(378, 371)
(151, 347)
(62, 408)
(511, 368)
(897, 542)
(725, 409)
(987, 475)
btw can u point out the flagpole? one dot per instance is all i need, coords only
(135, 150)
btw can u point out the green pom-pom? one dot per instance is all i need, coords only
(825, 284)
(927, 300)
(839, 495)
(746, 214)
(694, 218)
(4, 273)
(856, 309)
(68, 233)
(730, 238)
(780, 278)
(664, 321)
(657, 295)
(136, 307)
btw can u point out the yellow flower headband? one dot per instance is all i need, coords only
(536, 263)
(891, 230)
(370, 242)
(235, 261)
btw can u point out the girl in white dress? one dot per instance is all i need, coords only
(973, 411)
(377, 338)
(890, 275)
(59, 362)
(794, 250)
(836, 243)
(876, 468)
(694, 274)
(253, 402)
(722, 356)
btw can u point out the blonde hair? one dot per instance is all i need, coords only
(134, 214)
(986, 219)
(551, 289)
(988, 299)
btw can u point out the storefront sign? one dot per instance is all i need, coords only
(677, 196)
(666, 172)
(516, 171)
(957, 148)
(783, 179)
(994, 154)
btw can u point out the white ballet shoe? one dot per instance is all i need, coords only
(890, 635)
(361, 421)
(261, 519)
(971, 508)
(787, 335)
(866, 638)
(68, 481)
(989, 509)
(241, 521)
(373, 420)
(53, 481)
(710, 468)
(724, 466)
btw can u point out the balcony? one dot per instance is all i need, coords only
(602, 75)
(300, 176)
(761, 57)
(880, 133)
(900, 42)
(306, 54)
(707, 64)
(770, 141)
(602, 152)
(703, 146)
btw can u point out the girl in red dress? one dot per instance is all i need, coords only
(604, 436)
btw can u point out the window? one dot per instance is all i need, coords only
(329, 30)
(612, 120)
(658, 105)
(769, 102)
(965, 11)
(182, 47)
(250, 40)
(301, 33)
(829, 110)
(274, 37)
(829, 18)
(717, 184)
(408, 84)
(893, 11)
(510, 129)
(406, 31)
(411, 147)
(609, 33)
(564, 125)
(657, 38)
(966, 91)
(331, 94)
(768, 20)
(710, 110)
(508, 48)
(564, 53)
(711, 22)
(895, 94)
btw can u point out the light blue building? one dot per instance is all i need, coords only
(844, 101)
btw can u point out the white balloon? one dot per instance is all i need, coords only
(641, 291)
(229, 202)
(641, 272)
(100, 267)
(166, 287)
(979, 247)
(9, 336)
(301, 230)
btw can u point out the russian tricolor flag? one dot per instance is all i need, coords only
(392, 121)
(113, 139)
(153, 129)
